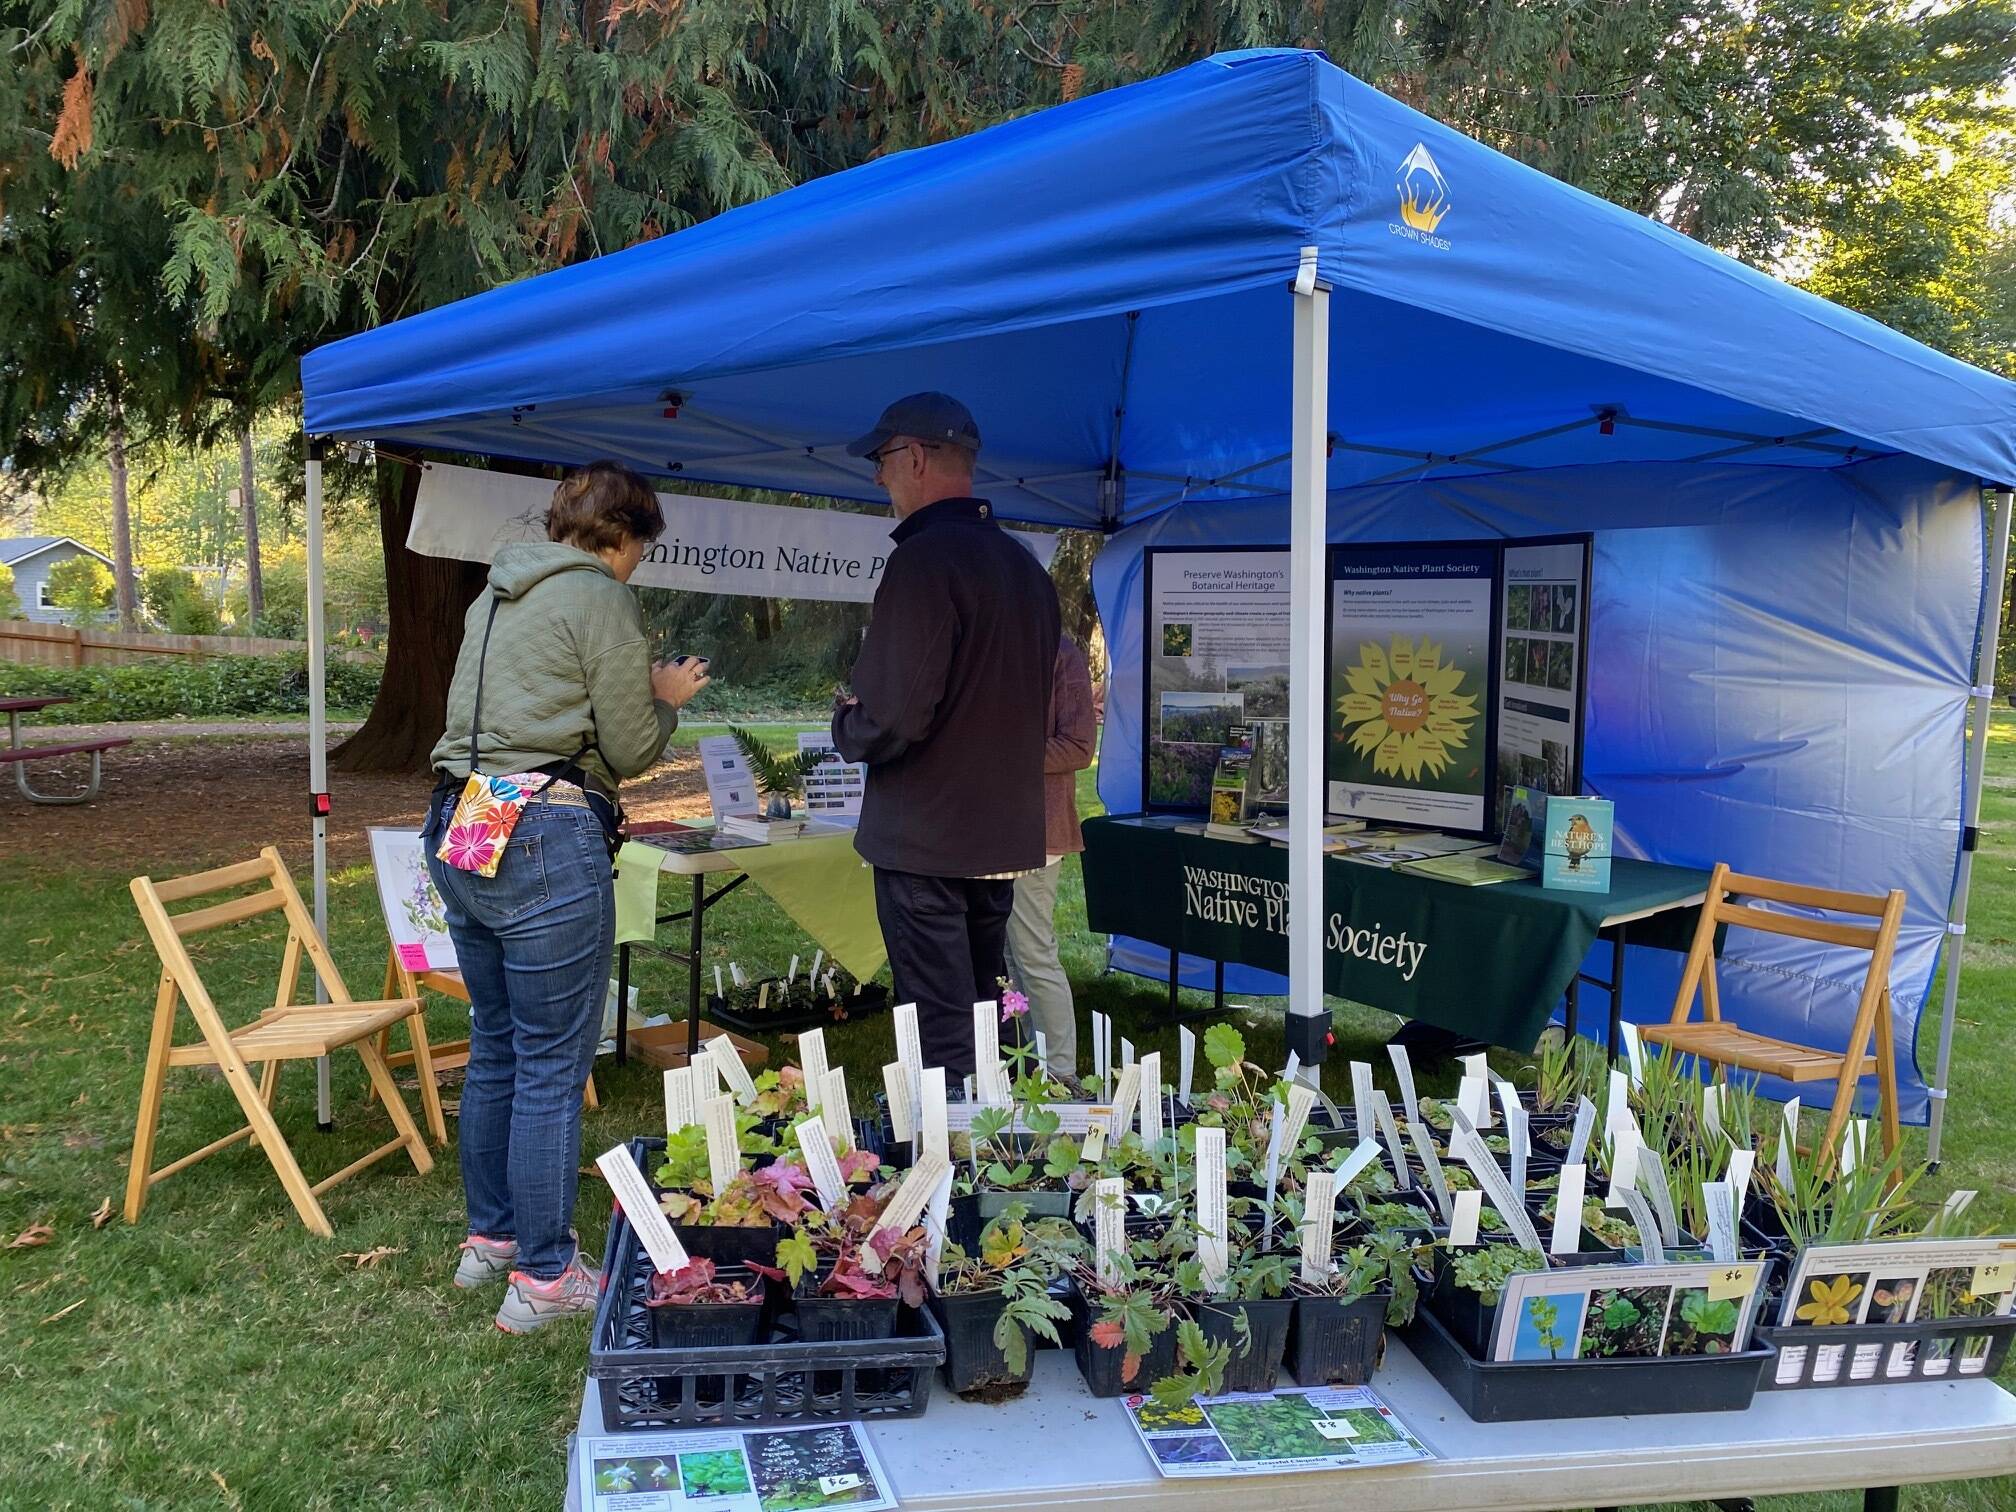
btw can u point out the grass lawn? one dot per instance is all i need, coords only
(216, 1354)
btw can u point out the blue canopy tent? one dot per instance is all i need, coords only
(1257, 300)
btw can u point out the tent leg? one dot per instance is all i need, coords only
(318, 750)
(1970, 804)
(1308, 1022)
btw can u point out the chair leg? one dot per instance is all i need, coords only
(588, 1098)
(381, 1078)
(269, 1080)
(1886, 1077)
(384, 1049)
(152, 1083)
(423, 1068)
(1828, 1149)
(266, 1133)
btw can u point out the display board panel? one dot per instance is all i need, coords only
(1543, 661)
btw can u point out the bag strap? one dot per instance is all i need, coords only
(483, 656)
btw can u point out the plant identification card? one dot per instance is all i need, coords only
(1463, 1220)
(1622, 1312)
(679, 1108)
(1122, 1117)
(1634, 1052)
(907, 1206)
(1741, 1163)
(1431, 1164)
(1711, 1106)
(633, 1195)
(1473, 1101)
(719, 991)
(988, 1083)
(1102, 1050)
(1616, 1104)
(1652, 1182)
(1382, 1114)
(1361, 1098)
(1151, 1098)
(1585, 1125)
(1319, 1225)
(791, 976)
(1403, 1068)
(1213, 1237)
(838, 1109)
(1522, 1145)
(1510, 1205)
(724, 1155)
(932, 1119)
(763, 998)
(1719, 1200)
(896, 1092)
(910, 1051)
(1109, 1226)
(1362, 1155)
(1567, 1236)
(1788, 1142)
(1289, 1122)
(1042, 1049)
(706, 1077)
(1186, 1064)
(1854, 1144)
(1126, 1052)
(1623, 1167)
(812, 1061)
(817, 1147)
(722, 1049)
(1647, 1225)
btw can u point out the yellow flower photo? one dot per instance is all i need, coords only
(1404, 708)
(1830, 1300)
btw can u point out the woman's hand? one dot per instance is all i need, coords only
(675, 682)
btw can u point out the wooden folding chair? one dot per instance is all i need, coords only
(287, 1031)
(1723, 1043)
(450, 1054)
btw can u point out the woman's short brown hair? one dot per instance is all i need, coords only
(601, 506)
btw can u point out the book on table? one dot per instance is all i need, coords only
(1466, 869)
(1577, 853)
(755, 827)
(1390, 848)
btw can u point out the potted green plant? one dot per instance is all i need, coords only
(1338, 1327)
(1126, 1323)
(703, 1306)
(780, 779)
(1248, 1311)
(741, 1224)
(989, 1300)
(1468, 1286)
(846, 1279)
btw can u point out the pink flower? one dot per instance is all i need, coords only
(470, 846)
(1013, 1005)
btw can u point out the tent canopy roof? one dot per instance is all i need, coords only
(1106, 284)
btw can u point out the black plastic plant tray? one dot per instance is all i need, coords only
(1512, 1391)
(1887, 1354)
(787, 1381)
(864, 1003)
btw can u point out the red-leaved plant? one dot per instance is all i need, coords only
(695, 1282)
(849, 1257)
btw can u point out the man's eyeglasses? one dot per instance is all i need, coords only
(879, 457)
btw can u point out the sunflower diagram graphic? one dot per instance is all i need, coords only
(1405, 707)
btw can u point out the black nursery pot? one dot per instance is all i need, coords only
(1463, 1312)
(1267, 1320)
(1332, 1342)
(729, 1245)
(973, 1211)
(824, 1319)
(1100, 1367)
(974, 1365)
(707, 1325)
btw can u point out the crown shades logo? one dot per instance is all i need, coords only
(1424, 198)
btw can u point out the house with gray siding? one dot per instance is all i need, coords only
(30, 558)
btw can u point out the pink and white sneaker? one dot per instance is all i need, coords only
(531, 1304)
(484, 1260)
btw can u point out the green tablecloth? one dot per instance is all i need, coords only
(1490, 963)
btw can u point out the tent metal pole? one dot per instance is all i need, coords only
(318, 750)
(1970, 806)
(1308, 1019)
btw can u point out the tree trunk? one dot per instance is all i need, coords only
(122, 529)
(426, 597)
(248, 503)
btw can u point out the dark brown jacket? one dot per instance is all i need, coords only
(953, 689)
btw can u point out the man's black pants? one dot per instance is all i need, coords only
(944, 936)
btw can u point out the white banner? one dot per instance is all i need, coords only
(709, 545)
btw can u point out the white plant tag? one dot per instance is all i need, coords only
(1522, 1147)
(718, 992)
(1319, 1224)
(1634, 1053)
(722, 1049)
(910, 1051)
(1585, 1125)
(1122, 1118)
(1711, 1106)
(1293, 1119)
(837, 1107)
(1617, 1104)
(1294, 1066)
(1109, 1231)
(817, 961)
(1403, 1068)
(1099, 1052)
(1463, 1221)
(1788, 1141)
(1126, 1052)
(1213, 1238)
(932, 1118)
(1094, 1147)
(1652, 1181)
(633, 1195)
(1477, 1065)
(1361, 1098)
(1647, 1226)
(817, 1147)
(1042, 1051)
(791, 976)
(1382, 1114)
(1719, 1200)
(1623, 1168)
(987, 1080)
(763, 998)
(1567, 1236)
(1365, 1152)
(907, 1206)
(1956, 1202)
(1510, 1205)
(896, 1090)
(966, 1088)
(1473, 1101)
(1854, 1145)
(1151, 1098)
(1741, 1163)
(724, 1157)
(934, 1223)
(706, 1077)
(812, 1061)
(1186, 1064)
(679, 1109)
(1431, 1163)
(735, 975)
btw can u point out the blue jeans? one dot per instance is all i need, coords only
(534, 943)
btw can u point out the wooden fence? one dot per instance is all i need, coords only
(64, 646)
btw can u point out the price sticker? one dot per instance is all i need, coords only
(1334, 1428)
(1726, 1283)
(1993, 1280)
(833, 1485)
(1094, 1147)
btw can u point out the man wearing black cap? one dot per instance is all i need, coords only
(950, 711)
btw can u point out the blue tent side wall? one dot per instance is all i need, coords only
(1780, 665)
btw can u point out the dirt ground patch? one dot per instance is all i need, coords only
(172, 806)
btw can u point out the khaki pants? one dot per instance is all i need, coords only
(1032, 961)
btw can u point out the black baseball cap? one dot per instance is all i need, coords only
(929, 416)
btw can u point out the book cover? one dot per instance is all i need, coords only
(1577, 851)
(1230, 805)
(1473, 870)
(1525, 827)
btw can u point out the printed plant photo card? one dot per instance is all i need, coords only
(1273, 1433)
(1628, 1312)
(1896, 1281)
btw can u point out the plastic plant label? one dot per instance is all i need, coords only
(1151, 1098)
(1431, 1163)
(817, 961)
(1463, 1219)
(791, 976)
(1291, 1121)
(1510, 1205)
(1473, 1101)
(812, 1061)
(718, 991)
(1362, 1155)
(1319, 1225)
(633, 1195)
(1788, 1141)
(1585, 1125)
(1294, 1066)
(1382, 1114)
(1213, 1239)
(896, 1090)
(1719, 1198)
(706, 1078)
(833, 1485)
(1042, 1048)
(1361, 1097)
(837, 1107)
(679, 1107)
(1956, 1202)
(1477, 1065)
(1101, 1049)
(987, 1082)
(907, 1206)
(1854, 1145)
(763, 998)
(932, 1118)
(1647, 1226)
(1186, 1064)
(729, 1064)
(1122, 1118)
(1994, 1280)
(1652, 1182)
(1522, 1147)
(1616, 1104)
(1711, 1106)
(1567, 1236)
(735, 975)
(724, 1158)
(1634, 1053)
(910, 1051)
(1109, 1226)
(1126, 1052)
(1623, 1168)
(966, 1087)
(1333, 1428)
(1403, 1068)
(817, 1146)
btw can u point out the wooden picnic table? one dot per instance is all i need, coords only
(18, 755)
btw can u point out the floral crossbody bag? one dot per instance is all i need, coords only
(490, 807)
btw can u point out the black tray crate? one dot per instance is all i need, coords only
(1888, 1354)
(643, 1388)
(1518, 1391)
(864, 1002)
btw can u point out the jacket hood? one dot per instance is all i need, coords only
(522, 563)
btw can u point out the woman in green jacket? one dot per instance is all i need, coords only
(554, 689)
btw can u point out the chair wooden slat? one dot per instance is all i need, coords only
(236, 911)
(219, 879)
(1800, 895)
(1798, 926)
